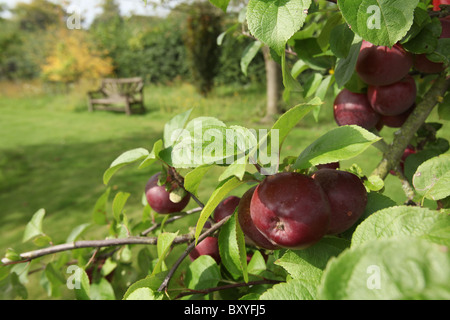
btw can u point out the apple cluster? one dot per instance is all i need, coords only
(292, 210)
(295, 210)
(391, 92)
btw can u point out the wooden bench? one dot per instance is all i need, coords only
(127, 92)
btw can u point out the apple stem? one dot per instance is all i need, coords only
(402, 137)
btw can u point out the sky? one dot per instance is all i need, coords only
(88, 9)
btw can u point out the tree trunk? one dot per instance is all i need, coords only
(273, 85)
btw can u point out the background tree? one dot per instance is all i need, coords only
(203, 26)
(73, 58)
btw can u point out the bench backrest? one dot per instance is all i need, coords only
(122, 86)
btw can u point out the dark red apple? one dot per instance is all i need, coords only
(422, 63)
(354, 108)
(381, 66)
(159, 198)
(396, 121)
(393, 99)
(252, 234)
(347, 197)
(208, 246)
(331, 165)
(226, 208)
(291, 210)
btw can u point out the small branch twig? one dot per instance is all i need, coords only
(171, 219)
(164, 285)
(30, 255)
(228, 286)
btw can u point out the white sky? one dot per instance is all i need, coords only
(88, 9)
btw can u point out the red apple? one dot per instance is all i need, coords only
(354, 108)
(226, 208)
(381, 66)
(347, 197)
(252, 234)
(208, 246)
(396, 121)
(393, 99)
(290, 209)
(331, 165)
(159, 198)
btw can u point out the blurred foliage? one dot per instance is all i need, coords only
(35, 43)
(72, 58)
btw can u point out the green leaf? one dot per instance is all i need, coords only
(124, 159)
(375, 202)
(236, 169)
(381, 22)
(404, 221)
(153, 155)
(311, 53)
(432, 178)
(274, 22)
(308, 264)
(229, 248)
(12, 255)
(248, 54)
(193, 178)
(221, 4)
(99, 213)
(257, 263)
(290, 118)
(341, 39)
(374, 183)
(102, 290)
(118, 204)
(55, 280)
(325, 34)
(339, 144)
(444, 108)
(442, 52)
(426, 40)
(202, 273)
(77, 231)
(311, 84)
(389, 269)
(34, 227)
(216, 197)
(144, 294)
(173, 127)
(163, 246)
(295, 289)
(345, 68)
(290, 84)
(201, 142)
(151, 282)
(240, 238)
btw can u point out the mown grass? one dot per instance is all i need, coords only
(53, 152)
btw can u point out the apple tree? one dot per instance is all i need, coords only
(306, 226)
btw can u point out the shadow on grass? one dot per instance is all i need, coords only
(65, 180)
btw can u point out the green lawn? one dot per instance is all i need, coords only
(53, 152)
